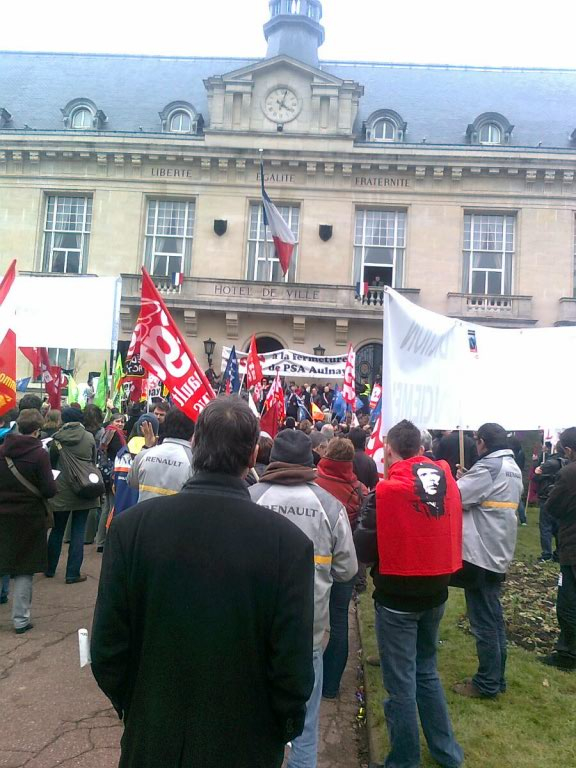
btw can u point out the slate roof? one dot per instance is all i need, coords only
(438, 102)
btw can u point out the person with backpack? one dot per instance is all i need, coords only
(336, 475)
(26, 483)
(111, 441)
(545, 475)
(79, 484)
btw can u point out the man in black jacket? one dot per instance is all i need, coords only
(202, 635)
(546, 475)
(561, 506)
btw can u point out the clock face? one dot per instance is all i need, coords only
(281, 105)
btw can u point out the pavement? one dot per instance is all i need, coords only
(54, 714)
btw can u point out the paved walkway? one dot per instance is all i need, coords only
(52, 712)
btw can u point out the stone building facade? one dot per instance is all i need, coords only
(453, 184)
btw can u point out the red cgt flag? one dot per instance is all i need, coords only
(164, 352)
(254, 370)
(7, 342)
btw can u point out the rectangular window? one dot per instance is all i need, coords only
(67, 234)
(263, 261)
(488, 254)
(379, 248)
(169, 232)
(62, 357)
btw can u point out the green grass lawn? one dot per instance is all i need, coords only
(533, 725)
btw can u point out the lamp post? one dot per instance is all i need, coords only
(209, 346)
(319, 350)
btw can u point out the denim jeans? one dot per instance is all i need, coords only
(407, 644)
(566, 612)
(487, 625)
(522, 511)
(548, 529)
(304, 752)
(76, 548)
(21, 600)
(4, 588)
(336, 652)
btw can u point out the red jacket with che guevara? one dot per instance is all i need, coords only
(419, 519)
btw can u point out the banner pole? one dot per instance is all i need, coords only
(461, 445)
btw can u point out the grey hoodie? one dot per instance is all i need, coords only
(491, 492)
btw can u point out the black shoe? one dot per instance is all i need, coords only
(76, 579)
(100, 549)
(3, 599)
(49, 575)
(564, 663)
(21, 630)
(545, 559)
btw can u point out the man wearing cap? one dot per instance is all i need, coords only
(288, 487)
(561, 506)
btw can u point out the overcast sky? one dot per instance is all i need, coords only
(512, 33)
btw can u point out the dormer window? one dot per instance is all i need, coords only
(490, 133)
(180, 117)
(180, 122)
(490, 129)
(82, 118)
(385, 125)
(83, 115)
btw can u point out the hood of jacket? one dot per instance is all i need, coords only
(337, 470)
(20, 446)
(283, 473)
(70, 434)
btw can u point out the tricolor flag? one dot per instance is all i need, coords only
(282, 235)
(177, 279)
(361, 289)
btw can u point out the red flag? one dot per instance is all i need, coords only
(52, 377)
(349, 388)
(375, 447)
(33, 355)
(254, 370)
(276, 396)
(134, 378)
(7, 342)
(164, 352)
(269, 421)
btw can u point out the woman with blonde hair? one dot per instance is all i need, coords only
(52, 423)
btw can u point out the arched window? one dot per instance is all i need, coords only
(384, 130)
(490, 133)
(82, 118)
(490, 129)
(385, 125)
(180, 122)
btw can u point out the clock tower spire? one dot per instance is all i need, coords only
(294, 30)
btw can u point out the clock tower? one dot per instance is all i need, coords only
(294, 30)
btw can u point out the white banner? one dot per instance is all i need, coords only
(80, 312)
(443, 373)
(292, 364)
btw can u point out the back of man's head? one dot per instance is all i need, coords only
(404, 439)
(340, 449)
(568, 439)
(29, 420)
(292, 446)
(30, 401)
(358, 438)
(225, 437)
(178, 425)
(494, 436)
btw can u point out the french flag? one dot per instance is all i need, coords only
(177, 279)
(282, 235)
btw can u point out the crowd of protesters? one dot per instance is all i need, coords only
(229, 555)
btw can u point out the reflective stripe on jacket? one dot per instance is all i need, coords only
(162, 470)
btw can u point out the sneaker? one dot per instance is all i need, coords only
(76, 579)
(25, 628)
(545, 559)
(468, 689)
(523, 525)
(564, 663)
(100, 549)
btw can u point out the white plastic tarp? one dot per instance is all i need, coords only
(443, 373)
(79, 312)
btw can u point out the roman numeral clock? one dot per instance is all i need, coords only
(281, 104)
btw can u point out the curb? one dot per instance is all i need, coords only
(372, 747)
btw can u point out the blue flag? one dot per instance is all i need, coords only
(376, 411)
(231, 373)
(22, 384)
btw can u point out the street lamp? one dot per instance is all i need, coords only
(209, 347)
(319, 350)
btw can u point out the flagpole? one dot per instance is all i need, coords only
(266, 247)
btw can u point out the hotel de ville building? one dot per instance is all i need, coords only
(455, 185)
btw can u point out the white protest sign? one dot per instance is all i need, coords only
(444, 373)
(292, 364)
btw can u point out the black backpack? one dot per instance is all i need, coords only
(83, 475)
